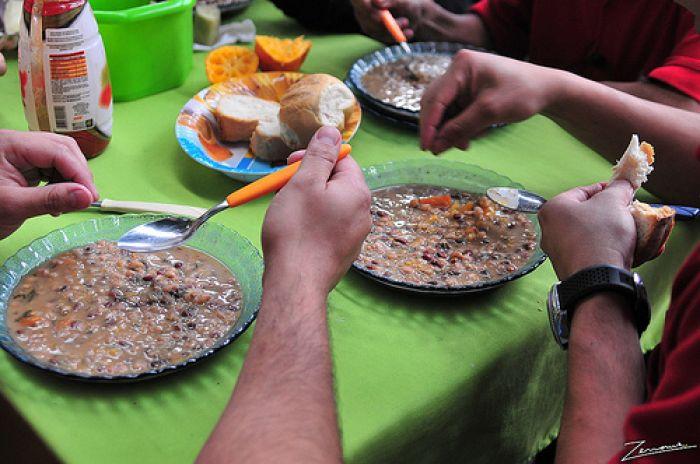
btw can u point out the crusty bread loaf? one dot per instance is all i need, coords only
(239, 115)
(314, 101)
(653, 225)
(266, 142)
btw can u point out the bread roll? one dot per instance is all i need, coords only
(314, 101)
(239, 115)
(635, 164)
(653, 225)
(266, 142)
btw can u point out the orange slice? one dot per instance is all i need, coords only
(230, 61)
(281, 54)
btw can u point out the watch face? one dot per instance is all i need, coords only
(557, 318)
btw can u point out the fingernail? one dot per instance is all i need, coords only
(76, 198)
(328, 135)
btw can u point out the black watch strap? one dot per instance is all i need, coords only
(601, 279)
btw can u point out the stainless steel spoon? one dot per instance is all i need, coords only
(528, 202)
(173, 231)
(519, 200)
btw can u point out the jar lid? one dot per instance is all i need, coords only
(55, 7)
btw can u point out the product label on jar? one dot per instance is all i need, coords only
(76, 80)
(70, 91)
(72, 73)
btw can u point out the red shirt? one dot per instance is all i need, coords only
(616, 40)
(671, 413)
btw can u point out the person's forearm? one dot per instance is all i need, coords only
(282, 409)
(604, 118)
(656, 93)
(441, 24)
(605, 379)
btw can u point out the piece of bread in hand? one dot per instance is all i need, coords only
(314, 101)
(239, 115)
(266, 142)
(635, 164)
(653, 225)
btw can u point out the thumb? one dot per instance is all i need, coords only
(320, 157)
(621, 190)
(52, 199)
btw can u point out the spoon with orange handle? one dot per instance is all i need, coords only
(173, 231)
(394, 29)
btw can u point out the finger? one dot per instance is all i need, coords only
(320, 157)
(347, 169)
(384, 4)
(474, 120)
(349, 180)
(74, 149)
(3, 66)
(296, 156)
(51, 199)
(37, 150)
(439, 96)
(435, 101)
(409, 33)
(621, 190)
(402, 22)
(581, 194)
(379, 32)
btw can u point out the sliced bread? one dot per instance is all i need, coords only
(239, 115)
(266, 142)
(654, 226)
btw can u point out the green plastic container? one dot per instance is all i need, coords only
(149, 46)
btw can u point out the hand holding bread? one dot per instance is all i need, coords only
(653, 225)
(602, 224)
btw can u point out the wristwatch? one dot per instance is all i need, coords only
(564, 297)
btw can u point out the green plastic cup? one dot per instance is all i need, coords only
(148, 46)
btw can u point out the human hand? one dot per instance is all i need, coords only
(587, 226)
(3, 66)
(315, 226)
(409, 15)
(27, 158)
(479, 90)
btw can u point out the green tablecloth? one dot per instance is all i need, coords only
(418, 379)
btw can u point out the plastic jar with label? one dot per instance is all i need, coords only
(64, 74)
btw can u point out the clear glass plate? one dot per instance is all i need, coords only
(227, 246)
(451, 174)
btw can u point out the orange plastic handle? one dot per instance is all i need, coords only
(392, 26)
(272, 182)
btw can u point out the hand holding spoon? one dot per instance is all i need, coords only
(394, 29)
(172, 231)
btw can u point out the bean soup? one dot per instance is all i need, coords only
(102, 311)
(439, 237)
